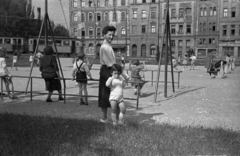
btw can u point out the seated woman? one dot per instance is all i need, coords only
(5, 75)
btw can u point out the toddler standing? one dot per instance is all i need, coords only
(80, 71)
(116, 83)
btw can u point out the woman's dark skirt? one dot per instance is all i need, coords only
(104, 91)
(53, 84)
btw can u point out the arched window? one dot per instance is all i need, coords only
(83, 32)
(201, 11)
(75, 33)
(98, 3)
(152, 50)
(90, 16)
(143, 50)
(214, 11)
(90, 32)
(188, 11)
(106, 17)
(205, 11)
(114, 2)
(134, 50)
(98, 17)
(211, 11)
(83, 3)
(90, 48)
(213, 26)
(75, 17)
(153, 27)
(123, 18)
(123, 31)
(98, 32)
(106, 2)
(123, 2)
(75, 3)
(83, 17)
(114, 16)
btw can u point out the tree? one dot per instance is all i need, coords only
(60, 30)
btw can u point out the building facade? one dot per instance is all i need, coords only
(200, 26)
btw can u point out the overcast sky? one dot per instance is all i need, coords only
(54, 10)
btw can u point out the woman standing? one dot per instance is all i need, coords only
(107, 59)
(50, 73)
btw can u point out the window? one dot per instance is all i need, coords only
(188, 31)
(123, 31)
(224, 28)
(205, 11)
(98, 17)
(153, 1)
(212, 41)
(83, 32)
(211, 11)
(106, 2)
(228, 50)
(114, 16)
(173, 13)
(75, 3)
(98, 32)
(201, 12)
(75, 18)
(173, 29)
(200, 27)
(91, 48)
(204, 27)
(75, 32)
(114, 2)
(210, 26)
(173, 43)
(225, 12)
(143, 1)
(134, 29)
(83, 17)
(152, 50)
(83, 4)
(153, 28)
(90, 32)
(188, 11)
(180, 29)
(134, 13)
(143, 29)
(134, 1)
(153, 13)
(106, 17)
(90, 17)
(214, 11)
(144, 14)
(188, 43)
(98, 3)
(214, 26)
(180, 42)
(123, 2)
(233, 30)
(233, 13)
(123, 18)
(181, 12)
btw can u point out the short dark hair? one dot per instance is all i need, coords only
(81, 56)
(108, 28)
(116, 67)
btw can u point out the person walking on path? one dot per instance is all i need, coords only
(107, 59)
(50, 73)
(80, 71)
(14, 62)
(116, 83)
(209, 61)
(5, 75)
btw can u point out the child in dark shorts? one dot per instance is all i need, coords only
(80, 71)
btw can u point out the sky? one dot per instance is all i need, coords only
(54, 10)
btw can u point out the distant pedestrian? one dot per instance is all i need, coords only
(174, 63)
(209, 61)
(39, 55)
(31, 60)
(14, 61)
(123, 61)
(179, 60)
(226, 67)
(193, 61)
(116, 83)
(80, 72)
(185, 61)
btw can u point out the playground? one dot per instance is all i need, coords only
(199, 101)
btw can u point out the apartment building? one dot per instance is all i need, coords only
(87, 27)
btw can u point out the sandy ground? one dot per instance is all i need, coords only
(200, 100)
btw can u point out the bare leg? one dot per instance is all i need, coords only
(104, 113)
(114, 106)
(122, 112)
(84, 85)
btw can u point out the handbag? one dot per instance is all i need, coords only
(49, 75)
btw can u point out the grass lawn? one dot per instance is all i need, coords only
(23, 135)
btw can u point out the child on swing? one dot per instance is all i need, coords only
(80, 71)
(137, 75)
(116, 83)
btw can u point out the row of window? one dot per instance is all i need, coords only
(144, 29)
(204, 41)
(211, 12)
(174, 29)
(91, 32)
(98, 16)
(226, 12)
(92, 3)
(153, 13)
(232, 30)
(203, 27)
